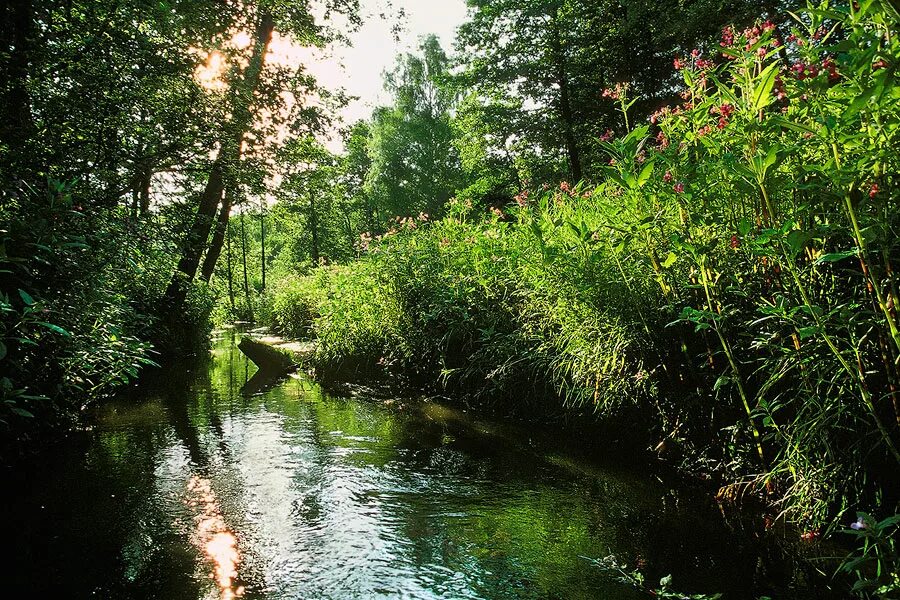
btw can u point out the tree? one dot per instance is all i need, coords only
(557, 56)
(415, 166)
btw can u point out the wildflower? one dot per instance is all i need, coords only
(761, 52)
(662, 140)
(678, 64)
(423, 216)
(612, 162)
(703, 130)
(809, 536)
(727, 37)
(662, 112)
(695, 53)
(565, 187)
(831, 68)
(607, 135)
(860, 524)
(668, 177)
(496, 212)
(678, 187)
(735, 242)
(873, 191)
(879, 64)
(768, 26)
(445, 241)
(703, 63)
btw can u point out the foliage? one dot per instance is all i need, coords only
(876, 562)
(730, 279)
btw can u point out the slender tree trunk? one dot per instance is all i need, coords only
(244, 260)
(229, 151)
(215, 247)
(262, 243)
(230, 269)
(565, 106)
(16, 120)
(146, 181)
(314, 231)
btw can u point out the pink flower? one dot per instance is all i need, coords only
(607, 135)
(727, 37)
(874, 191)
(678, 187)
(662, 140)
(565, 187)
(678, 64)
(668, 177)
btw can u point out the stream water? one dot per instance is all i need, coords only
(185, 488)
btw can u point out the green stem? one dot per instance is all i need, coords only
(734, 367)
(864, 259)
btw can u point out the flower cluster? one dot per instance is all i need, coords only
(522, 198)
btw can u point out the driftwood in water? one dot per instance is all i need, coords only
(270, 360)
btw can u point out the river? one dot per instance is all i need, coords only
(184, 487)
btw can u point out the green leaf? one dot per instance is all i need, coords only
(54, 328)
(2, 350)
(670, 260)
(762, 95)
(836, 256)
(807, 332)
(645, 174)
(21, 412)
(792, 125)
(26, 298)
(797, 239)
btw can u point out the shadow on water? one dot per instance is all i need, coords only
(190, 487)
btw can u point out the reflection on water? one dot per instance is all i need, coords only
(214, 538)
(186, 489)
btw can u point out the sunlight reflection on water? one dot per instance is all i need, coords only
(213, 537)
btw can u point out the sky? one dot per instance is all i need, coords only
(358, 69)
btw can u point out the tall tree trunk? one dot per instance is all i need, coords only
(565, 106)
(229, 150)
(215, 247)
(16, 120)
(244, 260)
(314, 231)
(229, 263)
(262, 243)
(146, 181)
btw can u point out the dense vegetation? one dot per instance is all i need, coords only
(677, 217)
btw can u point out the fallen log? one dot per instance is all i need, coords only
(270, 360)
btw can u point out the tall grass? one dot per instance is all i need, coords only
(731, 281)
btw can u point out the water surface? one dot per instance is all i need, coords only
(186, 488)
